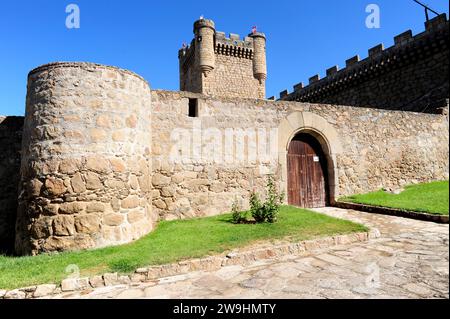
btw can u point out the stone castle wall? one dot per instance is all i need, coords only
(10, 147)
(412, 75)
(85, 159)
(205, 182)
(379, 148)
(90, 131)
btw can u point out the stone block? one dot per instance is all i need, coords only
(69, 284)
(87, 224)
(130, 202)
(71, 208)
(95, 207)
(55, 186)
(117, 165)
(160, 180)
(97, 135)
(113, 219)
(93, 181)
(96, 282)
(77, 184)
(44, 290)
(34, 187)
(15, 294)
(97, 164)
(63, 225)
(110, 279)
(69, 166)
(42, 228)
(135, 216)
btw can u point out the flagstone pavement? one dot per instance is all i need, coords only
(409, 260)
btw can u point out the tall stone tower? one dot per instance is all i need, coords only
(219, 66)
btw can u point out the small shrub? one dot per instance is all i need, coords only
(273, 202)
(257, 208)
(238, 216)
(267, 211)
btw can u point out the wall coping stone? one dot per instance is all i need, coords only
(83, 65)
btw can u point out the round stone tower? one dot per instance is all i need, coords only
(204, 31)
(86, 159)
(259, 56)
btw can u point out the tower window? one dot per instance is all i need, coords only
(193, 107)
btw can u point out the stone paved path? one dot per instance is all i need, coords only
(409, 260)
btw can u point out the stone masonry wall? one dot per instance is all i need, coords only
(85, 173)
(10, 146)
(380, 149)
(205, 185)
(387, 148)
(233, 77)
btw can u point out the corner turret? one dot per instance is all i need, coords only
(259, 58)
(205, 31)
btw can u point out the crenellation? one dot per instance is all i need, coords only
(333, 70)
(420, 62)
(437, 22)
(298, 86)
(376, 50)
(220, 36)
(352, 61)
(234, 40)
(403, 37)
(314, 79)
(235, 37)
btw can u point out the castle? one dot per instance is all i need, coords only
(100, 158)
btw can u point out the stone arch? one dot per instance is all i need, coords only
(326, 135)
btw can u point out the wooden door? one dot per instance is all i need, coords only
(306, 165)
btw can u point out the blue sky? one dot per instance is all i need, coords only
(304, 37)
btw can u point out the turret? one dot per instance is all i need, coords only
(259, 56)
(204, 31)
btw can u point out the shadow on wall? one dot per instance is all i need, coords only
(10, 146)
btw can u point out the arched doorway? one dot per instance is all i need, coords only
(307, 173)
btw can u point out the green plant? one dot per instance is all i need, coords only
(273, 202)
(431, 198)
(267, 211)
(237, 216)
(257, 208)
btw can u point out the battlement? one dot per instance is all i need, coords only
(234, 45)
(215, 64)
(407, 50)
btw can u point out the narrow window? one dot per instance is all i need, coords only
(193, 108)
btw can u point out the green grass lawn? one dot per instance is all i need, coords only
(427, 198)
(171, 241)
